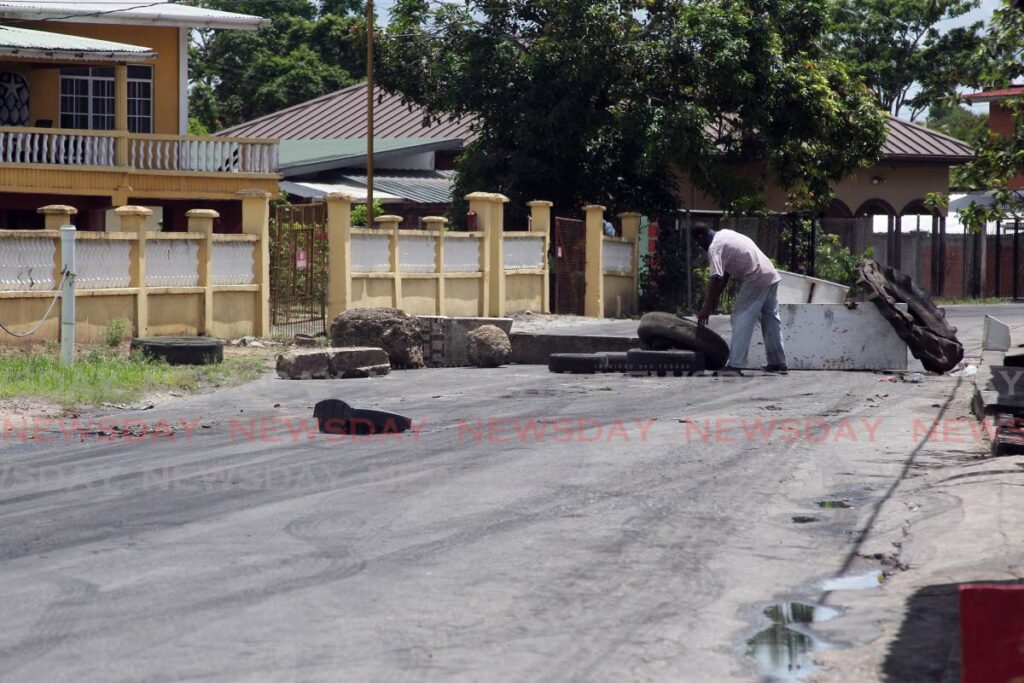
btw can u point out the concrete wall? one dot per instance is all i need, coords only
(134, 284)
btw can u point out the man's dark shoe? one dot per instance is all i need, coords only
(782, 368)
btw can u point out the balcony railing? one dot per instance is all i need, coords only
(68, 147)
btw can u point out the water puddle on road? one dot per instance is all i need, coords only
(783, 650)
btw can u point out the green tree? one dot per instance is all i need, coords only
(953, 119)
(899, 51)
(308, 49)
(999, 159)
(607, 101)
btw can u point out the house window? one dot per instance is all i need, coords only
(87, 98)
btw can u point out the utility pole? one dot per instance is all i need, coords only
(369, 113)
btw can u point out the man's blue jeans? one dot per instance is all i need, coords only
(753, 303)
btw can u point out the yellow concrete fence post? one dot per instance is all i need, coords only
(339, 252)
(540, 222)
(201, 220)
(496, 247)
(480, 204)
(256, 221)
(133, 221)
(436, 225)
(56, 215)
(631, 233)
(389, 224)
(593, 306)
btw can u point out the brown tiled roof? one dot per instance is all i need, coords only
(342, 115)
(906, 141)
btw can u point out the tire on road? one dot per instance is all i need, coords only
(181, 350)
(922, 326)
(677, 362)
(660, 331)
(581, 363)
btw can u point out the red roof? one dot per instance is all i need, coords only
(1012, 91)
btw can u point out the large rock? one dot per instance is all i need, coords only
(388, 328)
(489, 347)
(328, 363)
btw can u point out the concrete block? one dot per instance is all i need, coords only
(833, 337)
(534, 349)
(803, 289)
(995, 335)
(333, 362)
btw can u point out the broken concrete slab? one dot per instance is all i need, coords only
(395, 331)
(834, 337)
(535, 349)
(995, 335)
(333, 362)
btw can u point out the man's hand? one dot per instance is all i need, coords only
(702, 317)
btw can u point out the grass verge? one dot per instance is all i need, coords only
(111, 376)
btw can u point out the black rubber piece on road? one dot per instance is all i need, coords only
(661, 331)
(181, 350)
(582, 363)
(922, 326)
(337, 417)
(677, 362)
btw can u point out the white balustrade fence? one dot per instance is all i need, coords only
(212, 155)
(43, 147)
(233, 263)
(103, 264)
(462, 255)
(172, 263)
(147, 152)
(27, 264)
(524, 253)
(417, 254)
(371, 253)
(617, 257)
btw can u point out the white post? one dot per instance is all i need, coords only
(67, 296)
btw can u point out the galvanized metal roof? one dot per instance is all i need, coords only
(146, 12)
(23, 42)
(342, 115)
(419, 187)
(302, 157)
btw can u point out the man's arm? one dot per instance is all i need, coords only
(716, 285)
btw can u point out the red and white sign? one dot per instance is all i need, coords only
(301, 260)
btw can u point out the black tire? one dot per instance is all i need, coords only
(181, 350)
(337, 417)
(677, 362)
(581, 363)
(922, 326)
(663, 330)
(615, 361)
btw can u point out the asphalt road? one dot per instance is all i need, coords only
(638, 538)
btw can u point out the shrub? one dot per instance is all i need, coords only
(117, 331)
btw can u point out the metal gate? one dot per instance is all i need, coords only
(298, 269)
(570, 266)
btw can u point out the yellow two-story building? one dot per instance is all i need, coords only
(94, 114)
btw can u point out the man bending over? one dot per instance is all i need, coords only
(731, 254)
